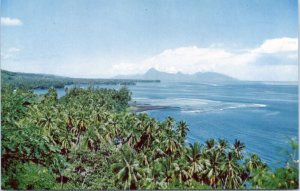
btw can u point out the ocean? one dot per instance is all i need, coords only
(262, 115)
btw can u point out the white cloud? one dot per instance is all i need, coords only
(278, 45)
(9, 53)
(7, 21)
(245, 64)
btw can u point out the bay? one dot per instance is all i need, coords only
(262, 115)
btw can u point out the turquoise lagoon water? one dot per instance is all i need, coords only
(262, 115)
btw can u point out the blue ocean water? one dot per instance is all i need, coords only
(262, 115)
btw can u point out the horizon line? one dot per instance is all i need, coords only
(63, 76)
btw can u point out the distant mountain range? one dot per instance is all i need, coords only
(205, 77)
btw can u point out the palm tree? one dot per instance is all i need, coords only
(147, 136)
(213, 170)
(108, 133)
(210, 145)
(182, 129)
(66, 140)
(141, 120)
(113, 122)
(181, 171)
(253, 163)
(80, 127)
(171, 145)
(104, 116)
(167, 164)
(69, 121)
(92, 139)
(51, 95)
(169, 123)
(49, 124)
(196, 161)
(128, 171)
(238, 148)
(231, 172)
(222, 146)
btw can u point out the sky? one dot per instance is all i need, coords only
(245, 39)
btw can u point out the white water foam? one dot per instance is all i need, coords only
(223, 106)
(193, 105)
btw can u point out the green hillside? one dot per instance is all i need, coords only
(44, 81)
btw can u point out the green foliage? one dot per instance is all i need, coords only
(87, 140)
(28, 176)
(281, 178)
(191, 185)
(34, 176)
(44, 81)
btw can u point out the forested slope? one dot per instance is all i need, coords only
(45, 81)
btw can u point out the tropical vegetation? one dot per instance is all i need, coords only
(88, 140)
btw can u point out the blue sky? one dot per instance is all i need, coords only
(251, 40)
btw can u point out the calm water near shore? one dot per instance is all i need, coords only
(262, 115)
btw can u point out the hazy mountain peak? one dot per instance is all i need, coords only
(152, 70)
(202, 77)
